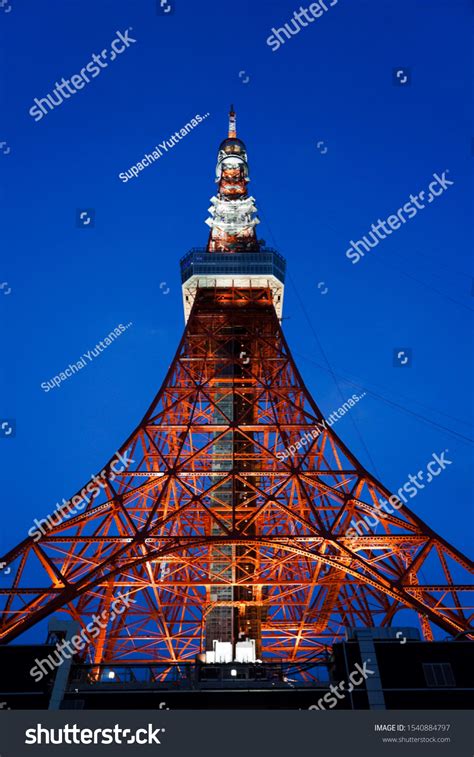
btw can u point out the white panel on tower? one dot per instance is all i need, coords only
(222, 651)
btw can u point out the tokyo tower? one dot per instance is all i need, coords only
(223, 539)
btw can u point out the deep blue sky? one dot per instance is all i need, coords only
(333, 83)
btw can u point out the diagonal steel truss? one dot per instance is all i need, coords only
(213, 501)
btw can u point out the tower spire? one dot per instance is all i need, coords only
(232, 123)
(232, 212)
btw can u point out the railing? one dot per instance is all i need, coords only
(199, 262)
(191, 675)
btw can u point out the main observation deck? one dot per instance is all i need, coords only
(263, 269)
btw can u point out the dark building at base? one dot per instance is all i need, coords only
(376, 669)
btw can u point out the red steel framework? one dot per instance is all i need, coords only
(214, 526)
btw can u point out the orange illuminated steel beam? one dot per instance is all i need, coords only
(151, 536)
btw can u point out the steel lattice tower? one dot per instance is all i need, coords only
(213, 530)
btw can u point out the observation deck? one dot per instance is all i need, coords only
(255, 270)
